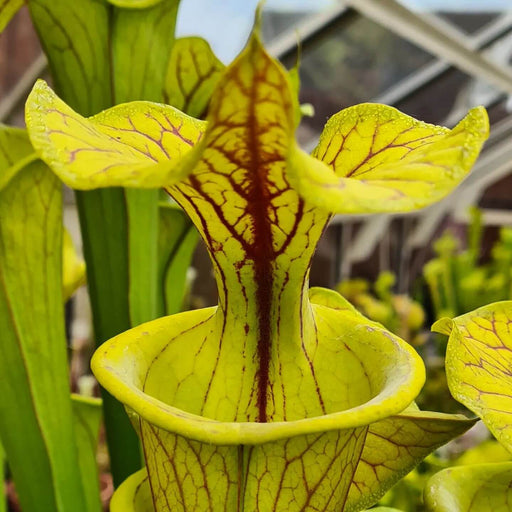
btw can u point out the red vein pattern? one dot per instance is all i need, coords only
(260, 234)
(264, 480)
(479, 362)
(192, 75)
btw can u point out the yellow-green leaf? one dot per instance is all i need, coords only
(394, 446)
(73, 267)
(8, 8)
(475, 488)
(373, 158)
(16, 152)
(140, 69)
(478, 363)
(118, 147)
(488, 451)
(133, 495)
(86, 421)
(35, 409)
(77, 41)
(390, 447)
(177, 240)
(192, 75)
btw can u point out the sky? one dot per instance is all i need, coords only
(226, 24)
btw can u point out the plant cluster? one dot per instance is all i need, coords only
(399, 313)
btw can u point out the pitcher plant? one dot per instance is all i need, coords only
(280, 398)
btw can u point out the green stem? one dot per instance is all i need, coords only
(103, 220)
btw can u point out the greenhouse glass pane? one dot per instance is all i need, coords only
(354, 64)
(468, 16)
(469, 22)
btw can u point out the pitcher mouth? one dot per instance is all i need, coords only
(120, 365)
